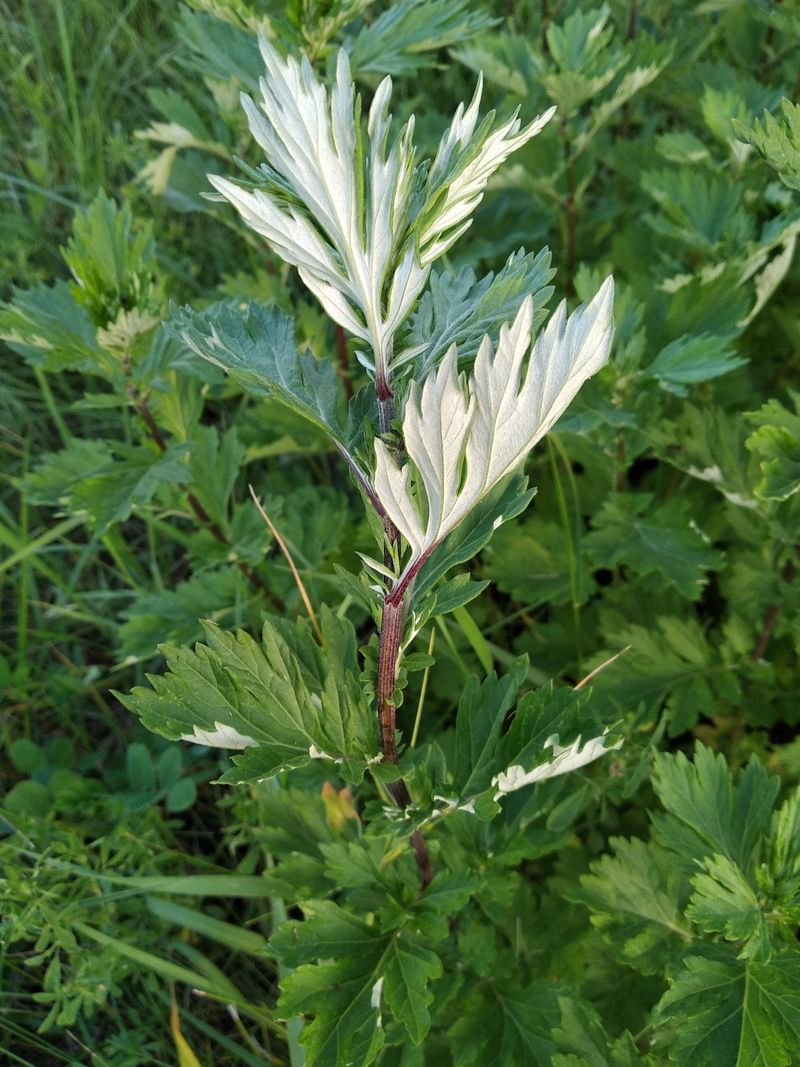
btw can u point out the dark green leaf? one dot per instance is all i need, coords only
(723, 1011)
(636, 898)
(407, 36)
(665, 540)
(459, 309)
(776, 442)
(583, 1042)
(688, 360)
(112, 492)
(50, 329)
(256, 346)
(707, 813)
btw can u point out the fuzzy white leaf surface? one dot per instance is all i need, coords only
(467, 157)
(566, 758)
(361, 225)
(464, 434)
(222, 736)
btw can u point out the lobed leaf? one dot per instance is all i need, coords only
(236, 693)
(463, 438)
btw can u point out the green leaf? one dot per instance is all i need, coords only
(443, 899)
(28, 798)
(668, 661)
(111, 493)
(474, 532)
(664, 540)
(249, 886)
(178, 110)
(113, 261)
(54, 476)
(481, 712)
(219, 49)
(181, 796)
(173, 615)
(165, 968)
(346, 1028)
(459, 309)
(362, 970)
(725, 902)
(139, 765)
(582, 1040)
(632, 82)
(527, 560)
(84, 477)
(706, 812)
(233, 937)
(783, 854)
(778, 141)
(236, 693)
(363, 866)
(723, 1011)
(256, 346)
(709, 445)
(407, 36)
(688, 360)
(636, 898)
(581, 38)
(549, 735)
(50, 329)
(407, 973)
(776, 443)
(170, 766)
(26, 756)
(328, 932)
(213, 469)
(698, 209)
(506, 1026)
(456, 592)
(504, 59)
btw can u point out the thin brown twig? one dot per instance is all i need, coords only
(570, 214)
(601, 667)
(295, 573)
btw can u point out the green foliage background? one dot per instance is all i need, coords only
(644, 911)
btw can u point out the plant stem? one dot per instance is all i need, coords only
(393, 618)
(52, 406)
(771, 615)
(391, 636)
(545, 16)
(388, 655)
(385, 395)
(423, 690)
(571, 536)
(369, 491)
(630, 32)
(619, 480)
(569, 206)
(344, 363)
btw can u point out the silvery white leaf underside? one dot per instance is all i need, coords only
(464, 434)
(366, 224)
